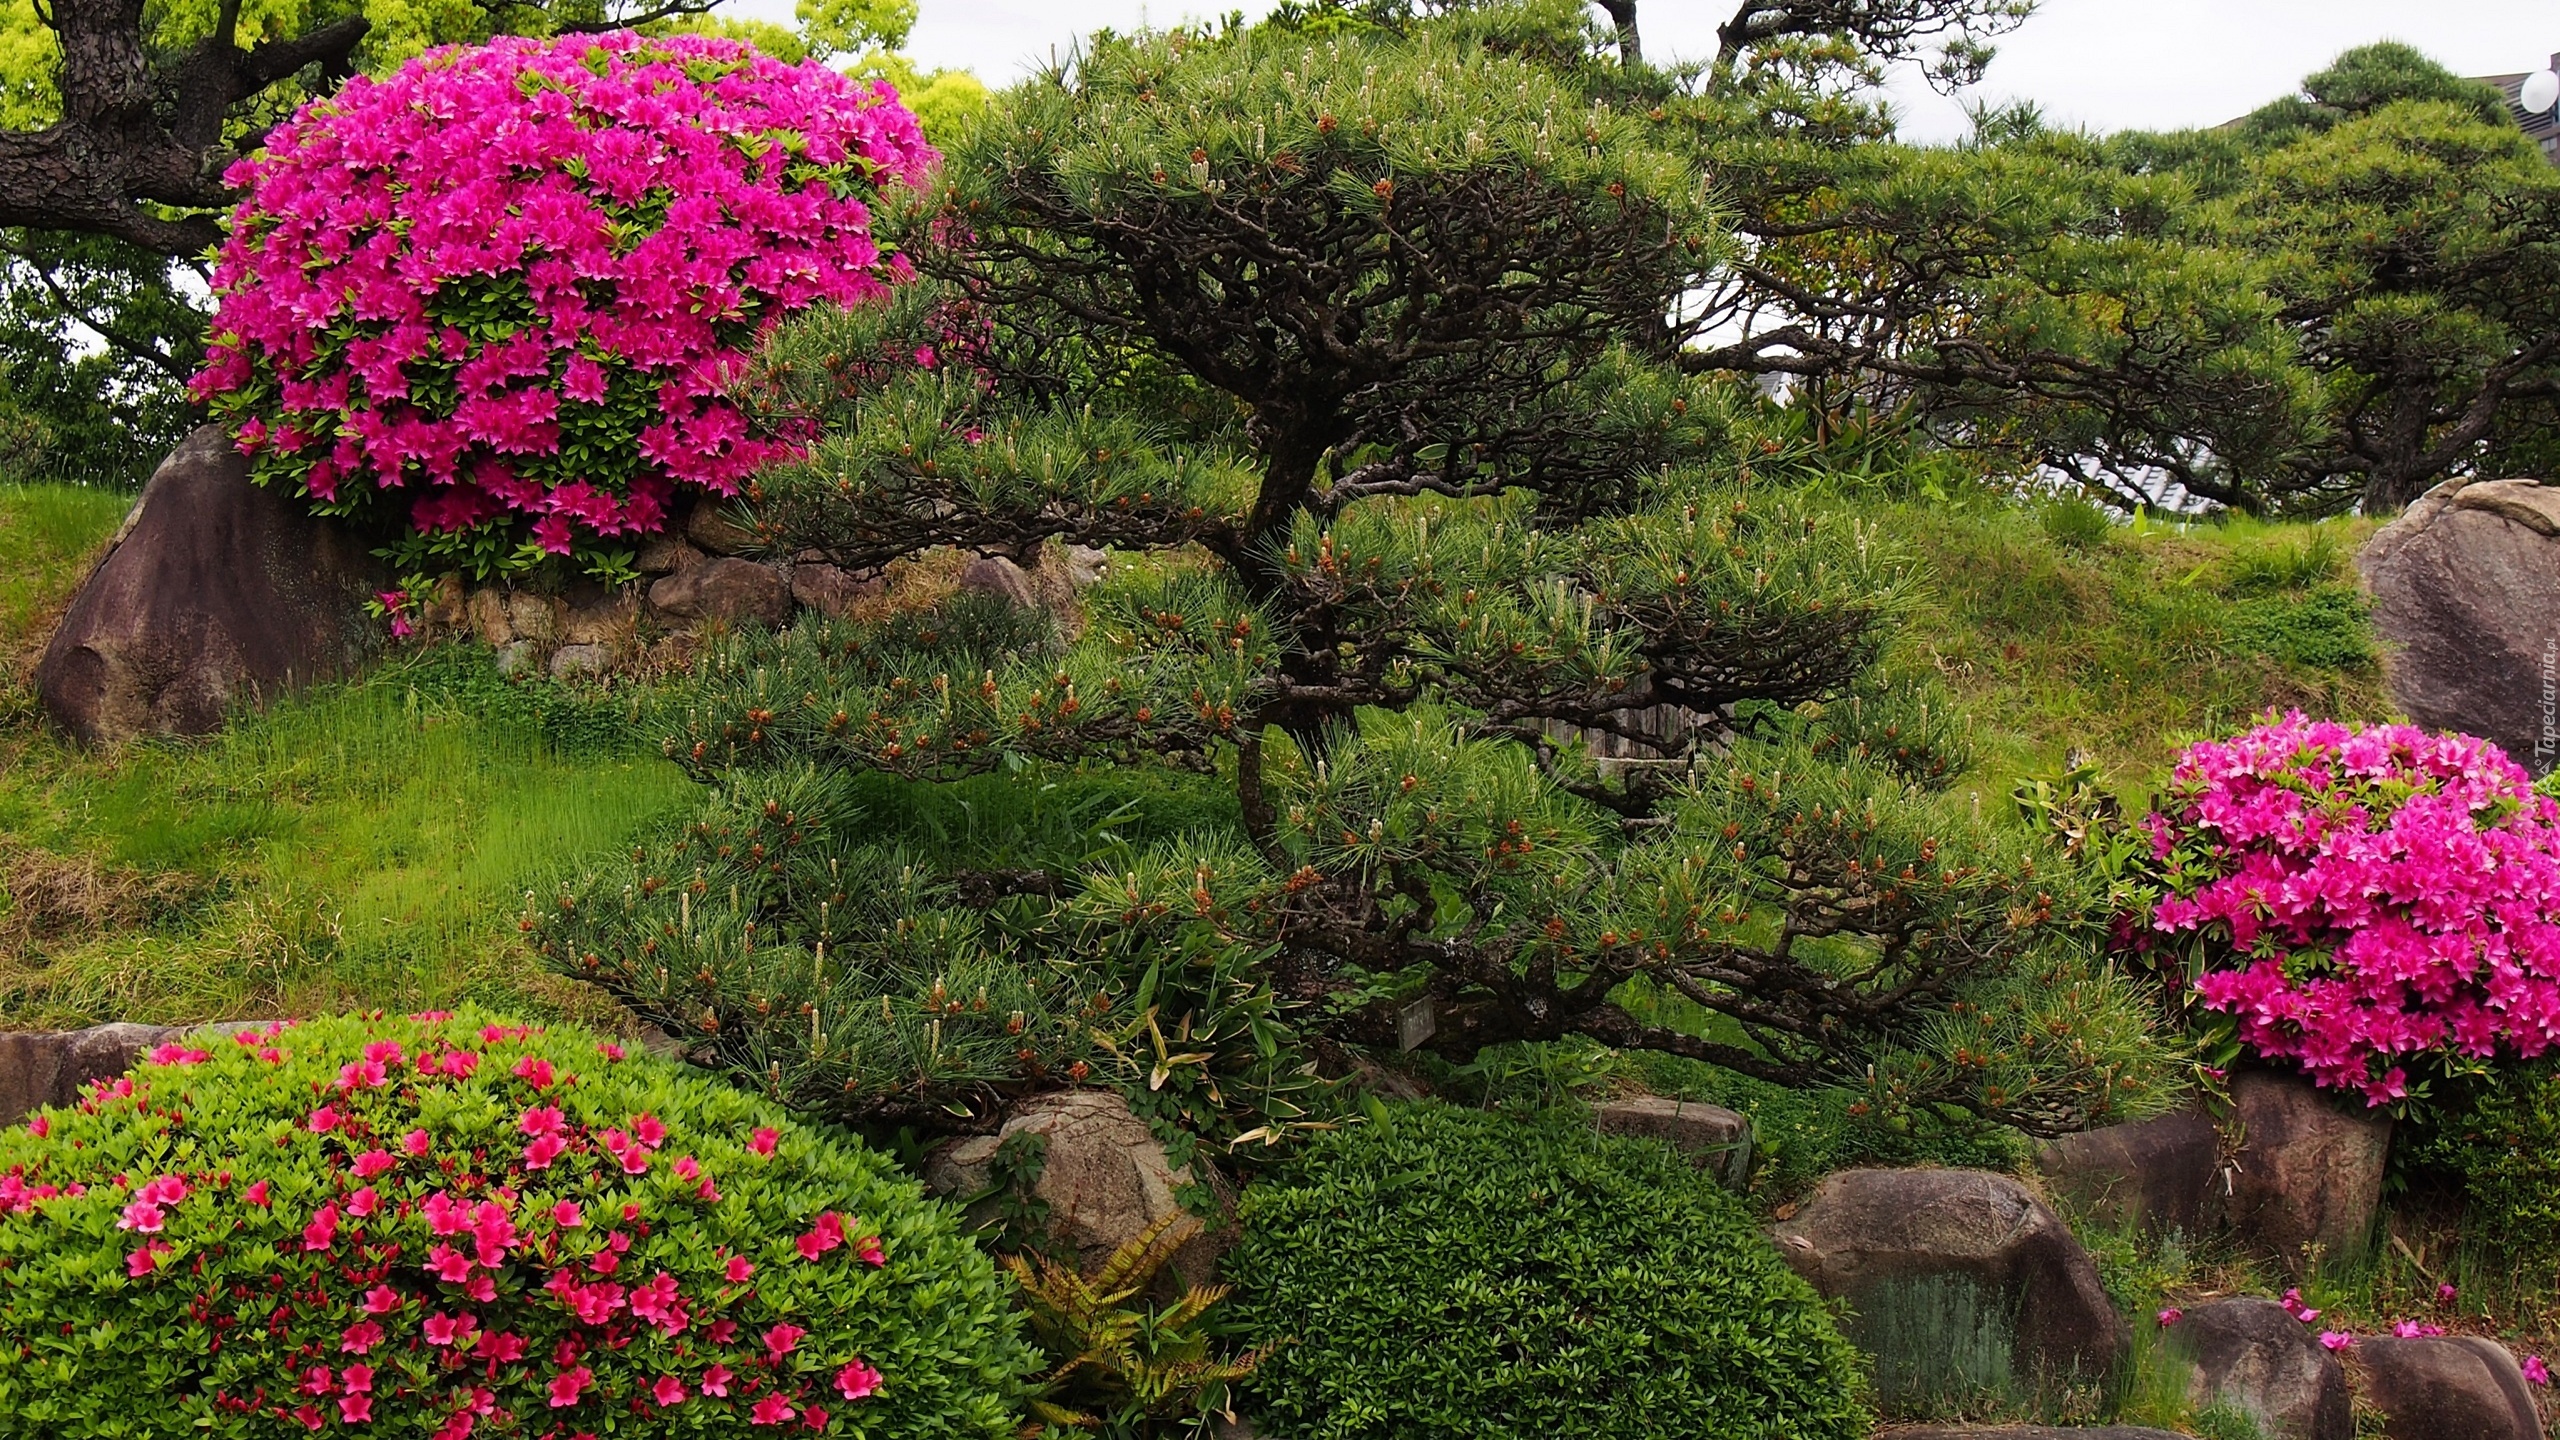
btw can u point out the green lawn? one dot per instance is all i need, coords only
(365, 844)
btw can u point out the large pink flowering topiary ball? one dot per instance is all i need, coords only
(455, 1226)
(2358, 897)
(498, 299)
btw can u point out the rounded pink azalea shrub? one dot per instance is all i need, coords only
(499, 299)
(2358, 897)
(451, 1227)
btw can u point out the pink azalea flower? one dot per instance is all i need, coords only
(534, 1071)
(763, 1140)
(360, 1338)
(715, 1381)
(857, 1381)
(2535, 1370)
(2172, 1315)
(825, 1235)
(567, 1386)
(782, 1339)
(414, 1143)
(256, 1194)
(567, 1216)
(2336, 1339)
(668, 1391)
(773, 1409)
(355, 1409)
(374, 1162)
(381, 1300)
(542, 1151)
(739, 1269)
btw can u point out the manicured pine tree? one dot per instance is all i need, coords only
(1353, 347)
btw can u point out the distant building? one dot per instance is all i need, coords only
(2545, 133)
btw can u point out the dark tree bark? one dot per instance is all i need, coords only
(131, 133)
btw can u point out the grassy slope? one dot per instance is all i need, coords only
(364, 844)
(2064, 633)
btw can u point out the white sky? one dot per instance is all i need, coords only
(2106, 64)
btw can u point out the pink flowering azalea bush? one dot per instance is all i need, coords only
(2358, 897)
(500, 299)
(447, 1227)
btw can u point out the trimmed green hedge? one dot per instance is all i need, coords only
(1446, 1272)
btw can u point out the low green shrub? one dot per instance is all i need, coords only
(1452, 1273)
(445, 1226)
(2497, 1135)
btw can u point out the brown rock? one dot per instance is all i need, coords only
(2309, 1172)
(666, 555)
(1875, 1237)
(831, 589)
(716, 532)
(216, 593)
(41, 1068)
(2253, 1357)
(2453, 1387)
(1713, 1137)
(597, 616)
(489, 618)
(724, 589)
(2153, 1174)
(445, 606)
(1087, 565)
(533, 617)
(571, 662)
(994, 575)
(1104, 1176)
(2466, 593)
(516, 657)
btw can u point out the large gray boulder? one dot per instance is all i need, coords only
(2253, 1357)
(2466, 596)
(2451, 1387)
(215, 593)
(1877, 1238)
(2158, 1175)
(2309, 1173)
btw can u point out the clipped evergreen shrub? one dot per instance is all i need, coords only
(1454, 1273)
(446, 1226)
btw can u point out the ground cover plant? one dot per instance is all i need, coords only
(1568, 1285)
(447, 1225)
(493, 303)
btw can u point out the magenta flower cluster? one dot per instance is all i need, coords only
(2363, 896)
(506, 292)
